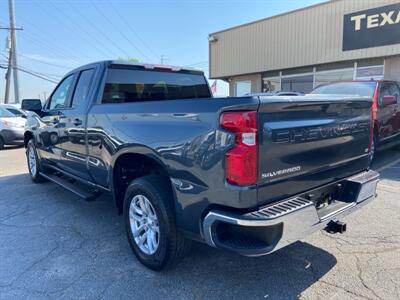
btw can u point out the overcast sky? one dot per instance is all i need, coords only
(61, 35)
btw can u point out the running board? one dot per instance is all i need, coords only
(70, 187)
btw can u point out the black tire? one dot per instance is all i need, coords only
(1, 143)
(34, 174)
(172, 245)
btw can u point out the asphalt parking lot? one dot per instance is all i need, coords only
(54, 245)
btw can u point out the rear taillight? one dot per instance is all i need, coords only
(374, 110)
(375, 103)
(241, 160)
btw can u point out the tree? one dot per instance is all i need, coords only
(131, 59)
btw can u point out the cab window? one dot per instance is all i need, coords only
(395, 91)
(82, 88)
(60, 96)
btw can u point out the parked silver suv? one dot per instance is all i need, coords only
(12, 126)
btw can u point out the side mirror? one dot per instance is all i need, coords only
(388, 100)
(31, 105)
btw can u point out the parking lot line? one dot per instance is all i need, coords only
(388, 165)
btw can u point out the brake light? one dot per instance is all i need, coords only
(241, 160)
(374, 110)
(375, 103)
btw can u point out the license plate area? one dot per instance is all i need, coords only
(337, 197)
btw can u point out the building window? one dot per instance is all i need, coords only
(242, 88)
(324, 77)
(371, 72)
(299, 83)
(271, 84)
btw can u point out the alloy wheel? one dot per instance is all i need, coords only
(32, 161)
(144, 224)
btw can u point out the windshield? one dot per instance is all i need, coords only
(4, 113)
(15, 111)
(347, 88)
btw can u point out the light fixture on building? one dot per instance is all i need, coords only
(212, 38)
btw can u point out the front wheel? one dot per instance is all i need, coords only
(150, 223)
(33, 163)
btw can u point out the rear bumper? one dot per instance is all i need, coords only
(280, 224)
(13, 136)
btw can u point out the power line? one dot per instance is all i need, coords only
(44, 62)
(78, 29)
(54, 76)
(200, 63)
(54, 49)
(37, 75)
(133, 30)
(66, 52)
(41, 44)
(121, 32)
(83, 17)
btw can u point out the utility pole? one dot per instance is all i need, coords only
(163, 60)
(13, 56)
(8, 72)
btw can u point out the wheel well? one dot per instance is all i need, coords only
(27, 137)
(131, 166)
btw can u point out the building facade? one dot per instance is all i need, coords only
(301, 49)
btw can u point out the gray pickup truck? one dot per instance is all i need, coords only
(248, 174)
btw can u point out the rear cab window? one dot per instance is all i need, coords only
(126, 85)
(347, 88)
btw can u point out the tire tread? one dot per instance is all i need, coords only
(178, 245)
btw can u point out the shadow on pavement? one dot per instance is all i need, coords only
(61, 238)
(9, 148)
(384, 158)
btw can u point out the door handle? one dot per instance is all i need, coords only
(77, 122)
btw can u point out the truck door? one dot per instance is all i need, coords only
(397, 117)
(72, 130)
(387, 113)
(49, 124)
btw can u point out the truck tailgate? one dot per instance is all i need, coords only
(305, 142)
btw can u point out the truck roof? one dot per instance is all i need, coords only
(145, 66)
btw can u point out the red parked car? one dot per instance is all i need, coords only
(386, 107)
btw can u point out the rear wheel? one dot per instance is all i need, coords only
(1, 143)
(34, 166)
(150, 223)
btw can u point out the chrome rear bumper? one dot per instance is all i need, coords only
(280, 224)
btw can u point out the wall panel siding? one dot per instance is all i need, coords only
(304, 37)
